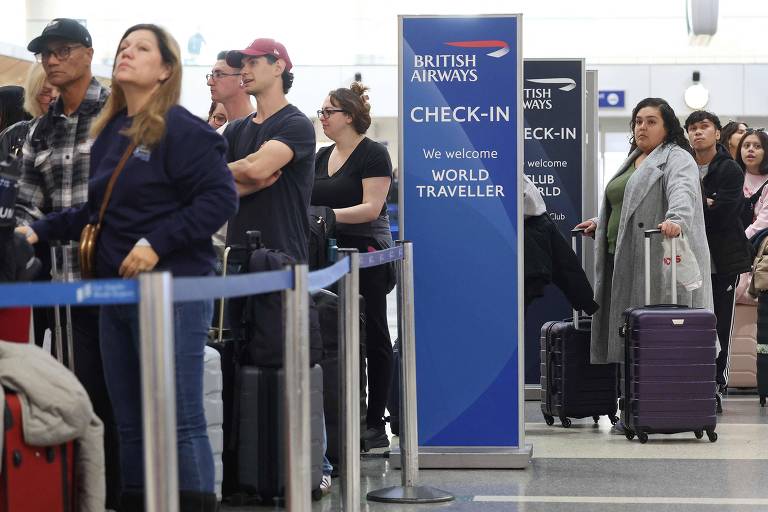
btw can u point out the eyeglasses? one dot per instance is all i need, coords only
(61, 53)
(218, 119)
(325, 113)
(753, 130)
(217, 75)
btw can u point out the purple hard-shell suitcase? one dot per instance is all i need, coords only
(572, 387)
(669, 382)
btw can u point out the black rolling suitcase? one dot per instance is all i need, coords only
(572, 387)
(328, 309)
(261, 456)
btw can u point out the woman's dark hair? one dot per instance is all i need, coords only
(12, 106)
(728, 130)
(763, 142)
(354, 102)
(675, 133)
(212, 109)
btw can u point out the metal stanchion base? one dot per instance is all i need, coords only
(470, 457)
(532, 392)
(417, 494)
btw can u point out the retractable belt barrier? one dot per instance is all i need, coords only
(155, 294)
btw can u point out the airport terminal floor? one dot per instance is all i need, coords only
(585, 468)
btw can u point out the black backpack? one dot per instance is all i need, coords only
(322, 227)
(261, 316)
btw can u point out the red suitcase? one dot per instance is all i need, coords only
(14, 324)
(34, 479)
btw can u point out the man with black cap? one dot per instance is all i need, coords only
(271, 153)
(55, 170)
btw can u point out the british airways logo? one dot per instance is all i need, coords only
(502, 46)
(455, 67)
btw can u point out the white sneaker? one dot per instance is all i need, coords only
(325, 485)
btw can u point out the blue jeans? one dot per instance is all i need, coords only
(119, 335)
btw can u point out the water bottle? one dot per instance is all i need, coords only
(333, 250)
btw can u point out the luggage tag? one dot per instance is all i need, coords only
(142, 153)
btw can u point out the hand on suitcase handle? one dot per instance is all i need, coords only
(670, 229)
(587, 228)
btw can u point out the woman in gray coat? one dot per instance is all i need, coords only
(657, 186)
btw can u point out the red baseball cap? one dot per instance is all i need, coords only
(259, 47)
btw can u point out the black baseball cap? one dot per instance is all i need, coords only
(61, 28)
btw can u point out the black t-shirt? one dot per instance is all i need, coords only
(345, 188)
(279, 211)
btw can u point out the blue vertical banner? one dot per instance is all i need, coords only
(460, 168)
(554, 111)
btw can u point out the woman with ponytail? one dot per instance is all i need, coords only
(172, 191)
(352, 176)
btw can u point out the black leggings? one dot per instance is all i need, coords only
(373, 288)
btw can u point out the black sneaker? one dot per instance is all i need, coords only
(719, 399)
(374, 437)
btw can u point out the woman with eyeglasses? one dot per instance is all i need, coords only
(731, 135)
(657, 186)
(174, 191)
(352, 176)
(217, 115)
(38, 95)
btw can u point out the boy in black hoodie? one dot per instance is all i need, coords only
(722, 181)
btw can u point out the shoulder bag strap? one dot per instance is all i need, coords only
(113, 179)
(754, 198)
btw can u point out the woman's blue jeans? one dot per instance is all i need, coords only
(119, 335)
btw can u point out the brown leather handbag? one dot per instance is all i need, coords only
(90, 233)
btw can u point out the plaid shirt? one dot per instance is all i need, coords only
(56, 164)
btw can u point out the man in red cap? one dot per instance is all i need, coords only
(271, 154)
(272, 157)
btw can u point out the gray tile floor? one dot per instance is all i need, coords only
(670, 473)
(587, 469)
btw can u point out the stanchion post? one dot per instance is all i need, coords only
(349, 381)
(409, 491)
(409, 442)
(296, 423)
(158, 392)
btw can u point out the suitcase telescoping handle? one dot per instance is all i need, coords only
(648, 234)
(224, 262)
(575, 232)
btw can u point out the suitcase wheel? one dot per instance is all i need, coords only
(596, 419)
(712, 435)
(642, 437)
(317, 494)
(698, 433)
(550, 420)
(614, 420)
(629, 435)
(565, 421)
(762, 400)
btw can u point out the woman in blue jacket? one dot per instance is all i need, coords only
(173, 193)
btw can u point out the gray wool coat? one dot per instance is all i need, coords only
(665, 186)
